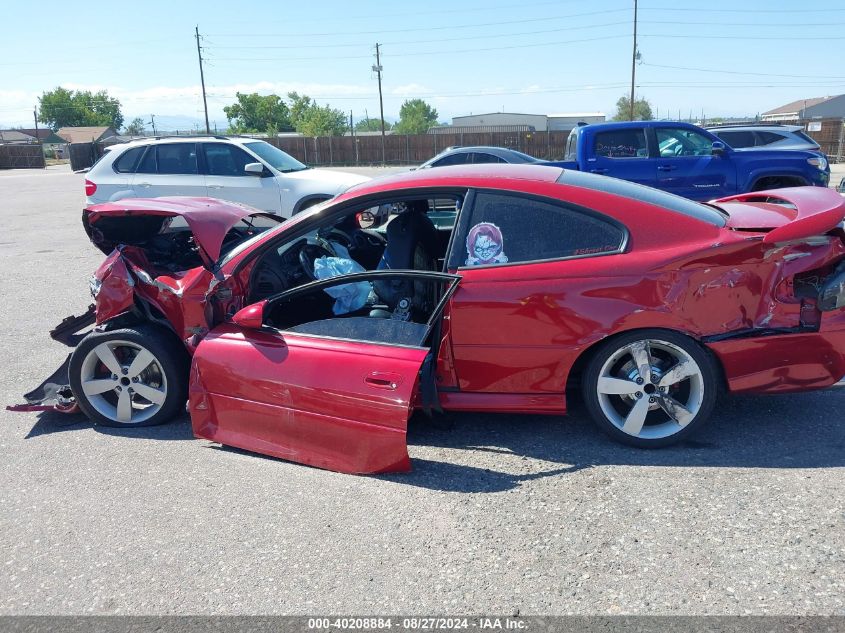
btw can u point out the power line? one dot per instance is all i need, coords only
(427, 53)
(434, 41)
(428, 28)
(739, 72)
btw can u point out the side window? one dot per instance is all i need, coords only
(682, 142)
(738, 138)
(571, 143)
(177, 158)
(621, 144)
(511, 228)
(148, 162)
(767, 138)
(225, 160)
(479, 158)
(126, 162)
(454, 159)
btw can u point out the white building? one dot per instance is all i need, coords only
(540, 122)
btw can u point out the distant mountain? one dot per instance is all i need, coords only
(176, 122)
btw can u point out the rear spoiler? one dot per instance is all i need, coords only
(817, 210)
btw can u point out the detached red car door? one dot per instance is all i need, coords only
(303, 384)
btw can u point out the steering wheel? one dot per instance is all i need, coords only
(310, 252)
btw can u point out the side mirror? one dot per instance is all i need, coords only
(719, 148)
(256, 169)
(366, 219)
(250, 317)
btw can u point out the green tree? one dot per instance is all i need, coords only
(69, 108)
(371, 125)
(642, 110)
(415, 117)
(136, 127)
(258, 113)
(311, 119)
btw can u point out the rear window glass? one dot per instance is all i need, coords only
(126, 162)
(766, 138)
(621, 144)
(513, 228)
(644, 194)
(807, 138)
(737, 138)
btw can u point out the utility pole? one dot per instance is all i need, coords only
(351, 128)
(377, 68)
(35, 116)
(202, 79)
(153, 123)
(634, 61)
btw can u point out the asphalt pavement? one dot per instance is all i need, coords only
(502, 513)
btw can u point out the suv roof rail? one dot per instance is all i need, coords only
(158, 137)
(751, 124)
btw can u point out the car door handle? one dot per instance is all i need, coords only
(383, 380)
(666, 167)
(598, 171)
(216, 186)
(144, 184)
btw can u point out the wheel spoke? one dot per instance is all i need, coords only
(106, 355)
(636, 417)
(140, 363)
(676, 410)
(642, 358)
(124, 406)
(618, 386)
(150, 393)
(94, 387)
(679, 372)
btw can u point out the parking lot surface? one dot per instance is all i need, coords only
(502, 513)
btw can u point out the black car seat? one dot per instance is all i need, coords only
(411, 244)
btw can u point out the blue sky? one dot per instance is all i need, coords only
(463, 56)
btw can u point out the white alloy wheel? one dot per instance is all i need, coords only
(123, 381)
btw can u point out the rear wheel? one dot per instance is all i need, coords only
(650, 388)
(131, 377)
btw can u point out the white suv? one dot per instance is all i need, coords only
(243, 170)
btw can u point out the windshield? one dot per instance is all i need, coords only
(275, 157)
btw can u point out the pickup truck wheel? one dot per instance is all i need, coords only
(650, 388)
(131, 377)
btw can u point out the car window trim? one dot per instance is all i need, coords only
(598, 215)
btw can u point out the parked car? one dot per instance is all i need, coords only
(687, 160)
(314, 340)
(768, 136)
(841, 187)
(478, 155)
(236, 169)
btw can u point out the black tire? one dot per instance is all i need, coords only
(608, 407)
(165, 377)
(308, 204)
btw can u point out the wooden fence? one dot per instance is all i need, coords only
(83, 155)
(413, 149)
(29, 156)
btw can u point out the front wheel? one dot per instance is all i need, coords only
(131, 377)
(650, 388)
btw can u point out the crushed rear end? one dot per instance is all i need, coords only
(796, 339)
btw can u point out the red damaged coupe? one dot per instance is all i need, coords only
(487, 288)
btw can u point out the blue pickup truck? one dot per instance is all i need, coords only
(687, 160)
